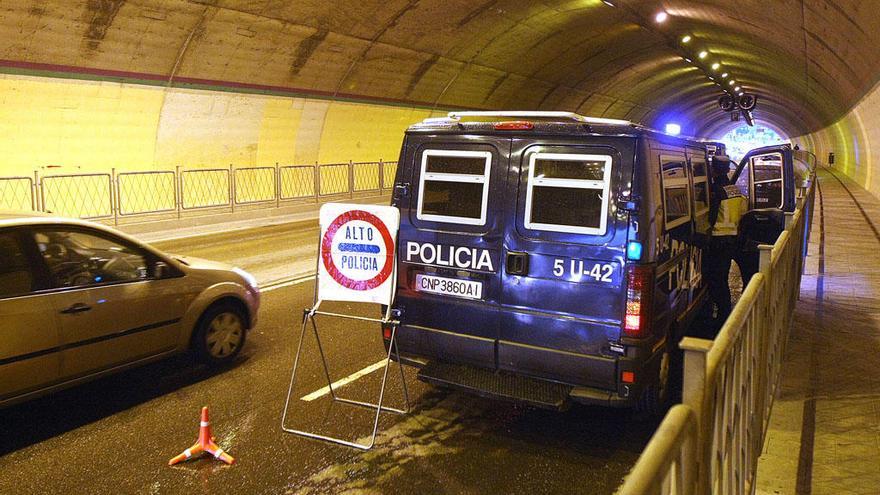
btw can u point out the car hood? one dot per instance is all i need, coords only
(200, 263)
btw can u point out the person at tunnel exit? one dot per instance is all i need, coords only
(726, 208)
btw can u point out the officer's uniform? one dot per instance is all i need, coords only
(725, 211)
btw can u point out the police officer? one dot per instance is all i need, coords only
(726, 207)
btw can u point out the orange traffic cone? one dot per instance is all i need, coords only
(205, 443)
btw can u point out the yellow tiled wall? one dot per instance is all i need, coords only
(855, 142)
(74, 126)
(70, 124)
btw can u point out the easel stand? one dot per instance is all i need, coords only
(309, 316)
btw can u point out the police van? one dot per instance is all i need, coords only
(548, 257)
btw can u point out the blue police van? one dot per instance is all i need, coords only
(547, 257)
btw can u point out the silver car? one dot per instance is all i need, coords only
(79, 300)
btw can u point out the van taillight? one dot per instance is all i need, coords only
(516, 125)
(639, 300)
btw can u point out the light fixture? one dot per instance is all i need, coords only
(741, 93)
(634, 248)
(686, 38)
(673, 130)
(661, 17)
(716, 66)
(736, 88)
(731, 82)
(703, 54)
(608, 3)
(724, 75)
(688, 60)
(711, 78)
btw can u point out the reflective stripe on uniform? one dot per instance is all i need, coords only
(730, 211)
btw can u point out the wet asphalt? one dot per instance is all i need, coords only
(115, 435)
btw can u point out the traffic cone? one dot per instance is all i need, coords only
(205, 443)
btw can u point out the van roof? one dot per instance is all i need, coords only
(557, 123)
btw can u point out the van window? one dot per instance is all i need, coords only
(15, 272)
(568, 193)
(767, 173)
(676, 197)
(454, 186)
(701, 186)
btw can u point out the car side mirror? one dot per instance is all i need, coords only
(161, 269)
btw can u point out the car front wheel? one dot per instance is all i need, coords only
(219, 335)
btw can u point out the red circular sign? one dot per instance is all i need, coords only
(327, 252)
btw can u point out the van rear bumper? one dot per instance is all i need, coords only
(576, 369)
(582, 395)
(599, 397)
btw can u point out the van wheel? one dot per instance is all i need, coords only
(219, 335)
(654, 400)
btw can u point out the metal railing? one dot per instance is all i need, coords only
(78, 195)
(660, 472)
(730, 383)
(146, 192)
(17, 193)
(113, 196)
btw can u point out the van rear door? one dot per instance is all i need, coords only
(563, 294)
(449, 283)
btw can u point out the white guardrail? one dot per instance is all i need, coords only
(710, 444)
(161, 194)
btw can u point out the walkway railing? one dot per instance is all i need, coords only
(711, 443)
(117, 196)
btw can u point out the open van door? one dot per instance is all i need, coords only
(765, 176)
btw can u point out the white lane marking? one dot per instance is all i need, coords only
(339, 383)
(280, 285)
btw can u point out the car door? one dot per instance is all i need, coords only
(564, 253)
(29, 334)
(449, 248)
(111, 308)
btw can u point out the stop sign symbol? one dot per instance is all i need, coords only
(357, 250)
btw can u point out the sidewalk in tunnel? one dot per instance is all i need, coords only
(225, 222)
(824, 430)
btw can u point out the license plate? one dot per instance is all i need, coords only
(469, 289)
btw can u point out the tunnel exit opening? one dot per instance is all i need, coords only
(743, 138)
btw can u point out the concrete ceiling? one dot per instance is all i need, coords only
(808, 60)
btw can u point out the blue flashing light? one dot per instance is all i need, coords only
(99, 279)
(673, 129)
(634, 251)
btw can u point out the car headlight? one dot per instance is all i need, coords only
(248, 278)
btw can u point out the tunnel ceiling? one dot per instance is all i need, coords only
(808, 60)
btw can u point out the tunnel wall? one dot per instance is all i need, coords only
(854, 140)
(87, 125)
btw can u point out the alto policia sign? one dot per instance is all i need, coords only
(357, 263)
(357, 253)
